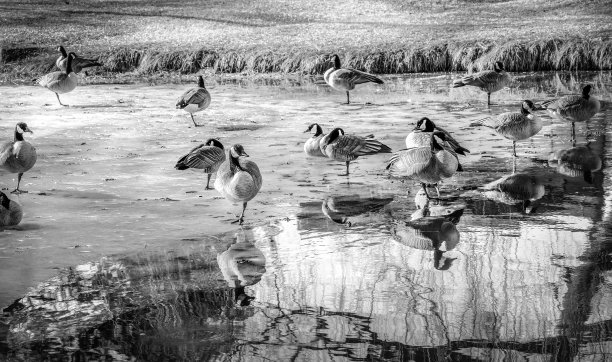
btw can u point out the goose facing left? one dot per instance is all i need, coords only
(312, 146)
(78, 63)
(10, 211)
(18, 156)
(194, 100)
(345, 79)
(238, 180)
(342, 147)
(60, 82)
(208, 156)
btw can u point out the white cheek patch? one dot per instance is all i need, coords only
(19, 130)
(233, 152)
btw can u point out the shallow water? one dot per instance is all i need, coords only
(327, 267)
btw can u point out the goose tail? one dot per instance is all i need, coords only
(88, 63)
(458, 83)
(373, 146)
(458, 149)
(482, 122)
(180, 165)
(363, 77)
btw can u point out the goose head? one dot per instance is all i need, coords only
(333, 135)
(336, 60)
(585, 91)
(5, 202)
(429, 125)
(213, 142)
(201, 82)
(237, 150)
(21, 128)
(498, 67)
(62, 50)
(318, 129)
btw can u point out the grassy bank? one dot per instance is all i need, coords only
(380, 36)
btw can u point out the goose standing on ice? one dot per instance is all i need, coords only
(208, 156)
(427, 165)
(10, 211)
(574, 108)
(513, 125)
(60, 82)
(422, 138)
(312, 147)
(345, 79)
(194, 100)
(18, 156)
(340, 147)
(238, 180)
(489, 80)
(78, 63)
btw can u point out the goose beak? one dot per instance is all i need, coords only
(306, 131)
(28, 130)
(244, 154)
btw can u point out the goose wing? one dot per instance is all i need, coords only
(479, 79)
(564, 103)
(353, 146)
(358, 77)
(52, 79)
(192, 96)
(6, 151)
(508, 123)
(410, 162)
(79, 63)
(202, 157)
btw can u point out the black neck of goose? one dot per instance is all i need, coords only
(435, 146)
(524, 111)
(585, 92)
(6, 202)
(18, 135)
(333, 135)
(337, 62)
(69, 64)
(63, 51)
(319, 130)
(234, 163)
(429, 126)
(200, 82)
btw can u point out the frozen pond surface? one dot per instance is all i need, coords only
(121, 256)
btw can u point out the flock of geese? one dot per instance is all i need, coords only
(431, 153)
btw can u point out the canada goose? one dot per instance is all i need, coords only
(194, 100)
(312, 147)
(422, 138)
(340, 147)
(18, 156)
(345, 79)
(78, 63)
(427, 165)
(489, 80)
(576, 162)
(10, 211)
(513, 125)
(574, 108)
(340, 208)
(238, 181)
(517, 188)
(61, 81)
(207, 156)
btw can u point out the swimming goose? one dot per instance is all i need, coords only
(578, 161)
(78, 63)
(60, 82)
(513, 125)
(340, 147)
(489, 80)
(345, 79)
(312, 147)
(10, 211)
(427, 165)
(194, 100)
(208, 156)
(422, 138)
(18, 156)
(238, 181)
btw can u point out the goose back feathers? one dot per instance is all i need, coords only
(574, 108)
(341, 147)
(207, 156)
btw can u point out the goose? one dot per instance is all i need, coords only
(238, 180)
(18, 156)
(345, 79)
(489, 80)
(194, 100)
(208, 156)
(78, 63)
(312, 147)
(341, 147)
(10, 211)
(574, 108)
(60, 82)
(422, 138)
(427, 165)
(578, 161)
(513, 125)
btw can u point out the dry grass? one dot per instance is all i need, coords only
(380, 36)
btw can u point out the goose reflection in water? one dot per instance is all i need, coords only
(517, 189)
(431, 228)
(578, 161)
(339, 208)
(242, 264)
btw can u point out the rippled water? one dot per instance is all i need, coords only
(120, 256)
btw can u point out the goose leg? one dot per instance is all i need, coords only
(347, 169)
(514, 148)
(244, 204)
(488, 99)
(573, 132)
(425, 189)
(208, 183)
(348, 100)
(194, 122)
(60, 102)
(17, 190)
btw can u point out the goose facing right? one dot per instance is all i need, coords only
(208, 156)
(61, 81)
(312, 146)
(18, 156)
(489, 80)
(10, 211)
(194, 100)
(342, 147)
(574, 108)
(345, 79)
(78, 63)
(238, 180)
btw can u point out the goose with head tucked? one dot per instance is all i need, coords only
(238, 180)
(341, 147)
(208, 156)
(345, 79)
(515, 126)
(18, 156)
(60, 82)
(422, 138)
(489, 80)
(312, 147)
(574, 108)
(427, 165)
(10, 211)
(194, 100)
(78, 63)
